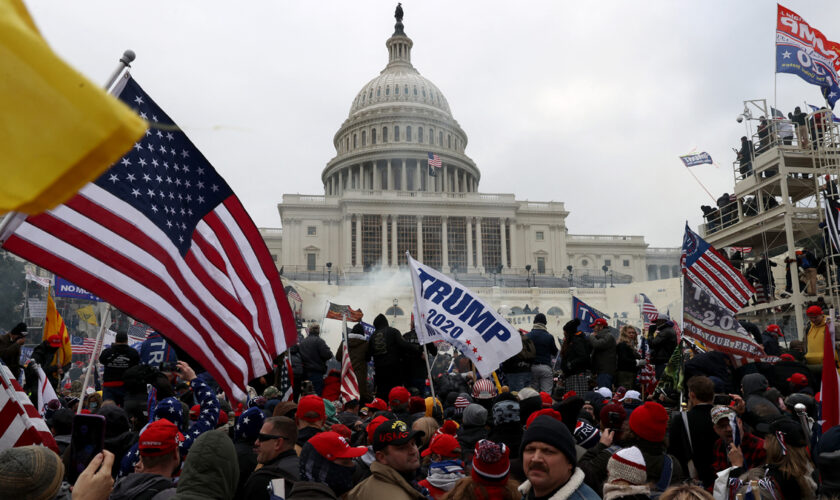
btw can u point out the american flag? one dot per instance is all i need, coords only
(82, 345)
(649, 312)
(161, 236)
(339, 311)
(20, 422)
(293, 294)
(705, 267)
(286, 383)
(435, 161)
(139, 330)
(647, 375)
(349, 383)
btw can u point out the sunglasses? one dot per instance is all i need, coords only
(268, 437)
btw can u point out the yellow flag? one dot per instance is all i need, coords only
(88, 315)
(58, 130)
(54, 327)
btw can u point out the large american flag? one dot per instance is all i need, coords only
(20, 422)
(349, 384)
(435, 161)
(705, 267)
(162, 237)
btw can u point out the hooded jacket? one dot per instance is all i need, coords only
(387, 347)
(755, 384)
(663, 344)
(603, 352)
(140, 486)
(577, 357)
(315, 353)
(210, 470)
(286, 465)
(359, 357)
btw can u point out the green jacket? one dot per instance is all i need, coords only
(211, 469)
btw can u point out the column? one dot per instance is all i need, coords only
(478, 246)
(470, 263)
(377, 179)
(513, 261)
(443, 183)
(384, 239)
(417, 184)
(444, 242)
(502, 233)
(388, 179)
(394, 260)
(458, 180)
(359, 241)
(403, 178)
(362, 177)
(348, 242)
(420, 238)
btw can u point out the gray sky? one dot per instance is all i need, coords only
(588, 103)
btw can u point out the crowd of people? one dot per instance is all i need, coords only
(566, 418)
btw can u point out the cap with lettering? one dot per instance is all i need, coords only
(159, 438)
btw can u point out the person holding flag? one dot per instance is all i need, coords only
(54, 354)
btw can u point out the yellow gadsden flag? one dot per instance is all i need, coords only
(87, 314)
(58, 130)
(54, 328)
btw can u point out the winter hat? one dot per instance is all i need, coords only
(460, 404)
(545, 411)
(170, 409)
(19, 329)
(491, 462)
(650, 422)
(539, 319)
(506, 412)
(719, 412)
(416, 404)
(484, 389)
(443, 445)
(526, 393)
(248, 425)
(551, 432)
(572, 326)
(604, 391)
(615, 408)
(475, 415)
(431, 404)
(545, 399)
(627, 465)
(449, 427)
(30, 472)
(586, 435)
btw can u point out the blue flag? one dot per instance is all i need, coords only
(586, 313)
(696, 159)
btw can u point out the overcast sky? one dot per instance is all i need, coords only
(588, 103)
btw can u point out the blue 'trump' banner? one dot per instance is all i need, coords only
(64, 288)
(586, 313)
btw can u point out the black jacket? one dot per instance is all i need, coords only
(663, 344)
(576, 358)
(415, 365)
(387, 347)
(771, 344)
(285, 465)
(116, 360)
(315, 354)
(626, 357)
(703, 439)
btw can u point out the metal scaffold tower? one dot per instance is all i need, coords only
(776, 208)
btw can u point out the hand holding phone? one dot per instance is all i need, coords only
(86, 442)
(95, 482)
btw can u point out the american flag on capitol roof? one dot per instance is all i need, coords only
(161, 236)
(435, 161)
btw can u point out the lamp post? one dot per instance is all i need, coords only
(528, 275)
(394, 310)
(571, 277)
(329, 271)
(605, 268)
(611, 280)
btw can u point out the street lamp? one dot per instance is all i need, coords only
(394, 310)
(611, 280)
(571, 276)
(528, 275)
(605, 268)
(329, 271)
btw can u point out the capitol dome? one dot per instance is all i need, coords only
(398, 121)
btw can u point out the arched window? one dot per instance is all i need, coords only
(378, 91)
(354, 141)
(364, 138)
(448, 141)
(371, 94)
(388, 90)
(440, 139)
(420, 137)
(373, 136)
(384, 134)
(415, 90)
(397, 134)
(424, 92)
(347, 144)
(408, 133)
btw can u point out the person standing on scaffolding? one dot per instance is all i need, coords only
(798, 118)
(745, 157)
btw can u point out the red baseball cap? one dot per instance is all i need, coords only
(798, 379)
(787, 357)
(399, 395)
(814, 311)
(194, 412)
(378, 405)
(599, 321)
(55, 341)
(371, 427)
(332, 445)
(546, 399)
(159, 438)
(311, 403)
(443, 445)
(775, 329)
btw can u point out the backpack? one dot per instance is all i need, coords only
(529, 350)
(296, 360)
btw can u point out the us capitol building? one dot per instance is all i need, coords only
(381, 198)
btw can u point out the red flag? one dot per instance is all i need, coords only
(20, 422)
(349, 384)
(830, 380)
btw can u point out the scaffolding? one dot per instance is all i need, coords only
(777, 207)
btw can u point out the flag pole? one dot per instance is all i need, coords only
(701, 184)
(125, 62)
(429, 371)
(96, 347)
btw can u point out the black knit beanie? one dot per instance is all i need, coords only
(552, 432)
(572, 326)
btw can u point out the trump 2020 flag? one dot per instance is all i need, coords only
(696, 159)
(447, 310)
(804, 51)
(586, 314)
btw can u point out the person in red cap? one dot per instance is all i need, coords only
(814, 339)
(311, 416)
(398, 399)
(603, 352)
(326, 467)
(46, 355)
(275, 446)
(648, 426)
(770, 340)
(798, 382)
(442, 447)
(397, 461)
(377, 405)
(159, 461)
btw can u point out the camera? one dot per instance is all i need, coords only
(168, 366)
(740, 118)
(723, 399)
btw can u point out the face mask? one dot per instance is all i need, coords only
(93, 406)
